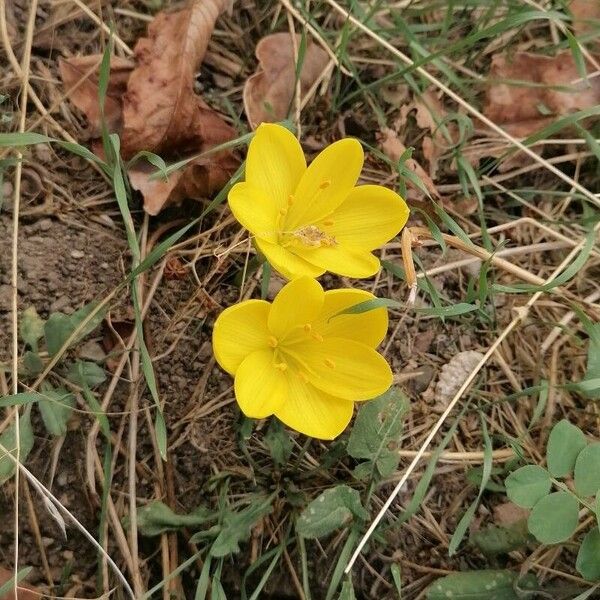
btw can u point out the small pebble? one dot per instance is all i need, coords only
(77, 254)
(45, 224)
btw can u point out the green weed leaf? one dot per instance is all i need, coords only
(554, 518)
(278, 442)
(31, 327)
(86, 373)
(566, 441)
(588, 558)
(8, 443)
(59, 327)
(590, 385)
(473, 585)
(495, 540)
(156, 518)
(236, 527)
(56, 407)
(587, 470)
(377, 429)
(347, 592)
(527, 485)
(329, 511)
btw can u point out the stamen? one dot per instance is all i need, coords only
(328, 223)
(273, 341)
(283, 212)
(307, 328)
(317, 336)
(329, 363)
(291, 199)
(281, 366)
(302, 376)
(325, 184)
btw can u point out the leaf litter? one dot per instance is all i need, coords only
(268, 94)
(159, 110)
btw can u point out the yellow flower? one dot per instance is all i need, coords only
(310, 220)
(293, 360)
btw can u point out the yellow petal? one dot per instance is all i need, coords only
(239, 331)
(299, 302)
(255, 210)
(313, 412)
(344, 368)
(369, 327)
(343, 260)
(275, 162)
(285, 262)
(260, 388)
(326, 183)
(369, 217)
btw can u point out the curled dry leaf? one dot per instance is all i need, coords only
(80, 78)
(161, 110)
(393, 148)
(453, 375)
(153, 106)
(25, 592)
(517, 107)
(269, 92)
(430, 113)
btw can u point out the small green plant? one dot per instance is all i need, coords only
(45, 340)
(557, 494)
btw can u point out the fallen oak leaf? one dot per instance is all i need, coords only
(162, 113)
(268, 93)
(393, 148)
(80, 78)
(160, 109)
(517, 107)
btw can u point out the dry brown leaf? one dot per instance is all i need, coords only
(586, 16)
(429, 113)
(25, 592)
(80, 78)
(269, 92)
(517, 107)
(198, 179)
(154, 107)
(161, 112)
(393, 148)
(509, 513)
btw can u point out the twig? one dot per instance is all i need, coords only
(25, 69)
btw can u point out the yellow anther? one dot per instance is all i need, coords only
(328, 223)
(329, 363)
(302, 376)
(273, 341)
(317, 336)
(290, 199)
(283, 211)
(281, 366)
(325, 184)
(307, 328)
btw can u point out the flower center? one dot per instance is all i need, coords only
(313, 237)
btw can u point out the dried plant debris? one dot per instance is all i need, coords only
(529, 91)
(152, 104)
(268, 94)
(454, 374)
